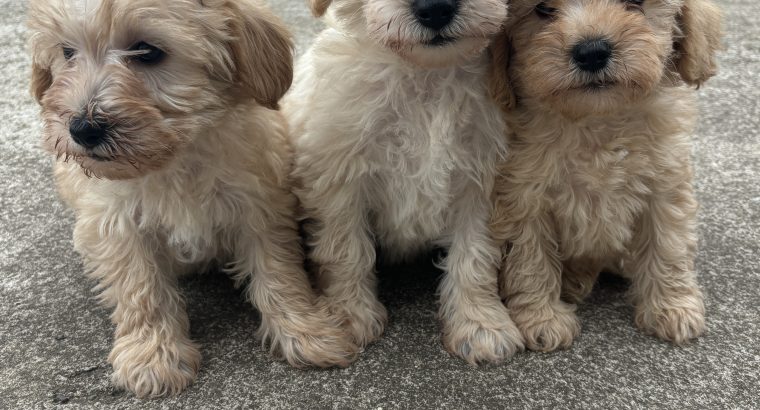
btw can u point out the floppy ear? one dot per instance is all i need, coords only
(700, 22)
(319, 7)
(41, 77)
(499, 83)
(41, 80)
(262, 51)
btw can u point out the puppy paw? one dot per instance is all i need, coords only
(677, 321)
(482, 342)
(364, 321)
(311, 342)
(548, 328)
(151, 367)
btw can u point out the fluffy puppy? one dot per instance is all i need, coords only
(397, 142)
(599, 171)
(162, 117)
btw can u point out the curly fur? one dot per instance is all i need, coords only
(600, 176)
(398, 150)
(194, 172)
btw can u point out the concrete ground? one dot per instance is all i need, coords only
(54, 338)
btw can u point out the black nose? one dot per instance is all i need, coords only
(434, 14)
(86, 132)
(592, 55)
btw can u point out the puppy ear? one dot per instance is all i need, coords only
(319, 7)
(262, 52)
(700, 23)
(41, 81)
(41, 57)
(500, 85)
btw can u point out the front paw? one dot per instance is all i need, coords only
(153, 365)
(493, 340)
(547, 328)
(677, 320)
(363, 320)
(312, 341)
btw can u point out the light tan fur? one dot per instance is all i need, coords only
(397, 141)
(193, 173)
(599, 172)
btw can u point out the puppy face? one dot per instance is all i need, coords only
(429, 33)
(125, 84)
(591, 56)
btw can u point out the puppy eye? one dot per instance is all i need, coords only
(68, 53)
(148, 53)
(634, 4)
(545, 11)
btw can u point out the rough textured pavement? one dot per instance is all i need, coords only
(54, 338)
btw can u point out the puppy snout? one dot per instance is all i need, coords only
(434, 14)
(592, 55)
(87, 132)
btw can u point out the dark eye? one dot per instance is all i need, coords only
(147, 53)
(634, 4)
(68, 53)
(545, 11)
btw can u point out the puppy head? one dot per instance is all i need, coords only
(428, 33)
(125, 84)
(583, 57)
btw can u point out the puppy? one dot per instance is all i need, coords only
(599, 173)
(162, 116)
(397, 142)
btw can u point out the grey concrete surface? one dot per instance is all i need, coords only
(54, 338)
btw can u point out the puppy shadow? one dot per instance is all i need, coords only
(609, 287)
(413, 282)
(218, 311)
(607, 311)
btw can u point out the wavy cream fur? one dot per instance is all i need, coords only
(196, 174)
(402, 157)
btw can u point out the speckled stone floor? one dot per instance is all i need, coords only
(54, 338)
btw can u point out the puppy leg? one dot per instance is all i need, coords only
(531, 273)
(152, 353)
(668, 300)
(296, 326)
(476, 325)
(532, 285)
(578, 279)
(344, 252)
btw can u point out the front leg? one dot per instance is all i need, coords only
(343, 250)
(531, 280)
(476, 325)
(661, 265)
(297, 327)
(152, 353)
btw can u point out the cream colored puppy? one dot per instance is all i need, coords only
(162, 117)
(599, 173)
(397, 142)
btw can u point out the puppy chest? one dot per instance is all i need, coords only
(193, 224)
(597, 203)
(410, 209)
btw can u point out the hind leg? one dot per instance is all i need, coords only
(578, 279)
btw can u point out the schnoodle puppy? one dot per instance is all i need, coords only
(599, 174)
(397, 142)
(162, 117)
